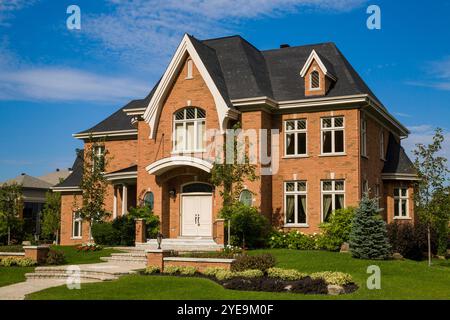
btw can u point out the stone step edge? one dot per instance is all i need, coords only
(65, 276)
(45, 270)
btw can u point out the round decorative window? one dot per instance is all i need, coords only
(246, 197)
(149, 200)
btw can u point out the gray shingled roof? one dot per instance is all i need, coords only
(55, 177)
(397, 161)
(74, 179)
(125, 170)
(240, 70)
(29, 182)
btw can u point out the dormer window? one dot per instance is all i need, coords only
(315, 80)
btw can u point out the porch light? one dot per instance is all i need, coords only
(172, 193)
(159, 238)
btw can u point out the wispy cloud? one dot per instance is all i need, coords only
(403, 115)
(143, 30)
(438, 74)
(424, 134)
(8, 7)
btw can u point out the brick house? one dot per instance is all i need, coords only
(335, 141)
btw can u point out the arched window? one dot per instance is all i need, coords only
(197, 187)
(149, 200)
(246, 197)
(315, 80)
(189, 130)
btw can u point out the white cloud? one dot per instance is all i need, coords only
(424, 134)
(438, 73)
(7, 7)
(141, 31)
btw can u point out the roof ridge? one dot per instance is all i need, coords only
(301, 46)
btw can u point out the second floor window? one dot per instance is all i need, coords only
(401, 203)
(189, 130)
(98, 157)
(295, 137)
(332, 135)
(364, 137)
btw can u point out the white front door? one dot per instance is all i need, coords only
(196, 211)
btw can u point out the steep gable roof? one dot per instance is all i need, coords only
(29, 182)
(397, 161)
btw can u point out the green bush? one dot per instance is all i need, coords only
(260, 262)
(152, 270)
(8, 262)
(334, 278)
(151, 220)
(125, 227)
(25, 262)
(105, 234)
(211, 271)
(12, 248)
(171, 269)
(187, 270)
(250, 274)
(55, 257)
(293, 240)
(285, 274)
(337, 230)
(249, 228)
(224, 274)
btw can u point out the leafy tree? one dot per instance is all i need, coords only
(11, 200)
(51, 215)
(368, 237)
(93, 183)
(430, 197)
(337, 230)
(151, 220)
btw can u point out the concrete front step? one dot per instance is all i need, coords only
(60, 275)
(129, 259)
(182, 244)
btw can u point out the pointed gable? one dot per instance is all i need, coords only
(318, 75)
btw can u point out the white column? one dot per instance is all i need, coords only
(124, 199)
(115, 203)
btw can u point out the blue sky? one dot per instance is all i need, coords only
(55, 81)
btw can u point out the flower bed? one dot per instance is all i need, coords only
(89, 247)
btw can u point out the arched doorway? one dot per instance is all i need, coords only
(196, 210)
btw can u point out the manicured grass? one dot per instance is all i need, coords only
(82, 257)
(399, 280)
(11, 248)
(10, 275)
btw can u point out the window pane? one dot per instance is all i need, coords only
(290, 206)
(404, 213)
(246, 197)
(301, 209)
(339, 141)
(290, 125)
(149, 200)
(76, 229)
(327, 186)
(201, 135)
(301, 124)
(339, 201)
(326, 123)
(339, 185)
(179, 136)
(290, 146)
(301, 186)
(403, 192)
(396, 192)
(190, 135)
(201, 114)
(327, 208)
(339, 122)
(179, 115)
(190, 113)
(326, 148)
(315, 82)
(290, 186)
(301, 143)
(396, 208)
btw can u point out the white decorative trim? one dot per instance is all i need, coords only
(65, 189)
(184, 49)
(165, 164)
(314, 56)
(116, 133)
(400, 176)
(134, 111)
(121, 175)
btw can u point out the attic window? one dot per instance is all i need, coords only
(314, 80)
(189, 69)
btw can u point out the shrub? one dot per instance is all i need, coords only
(337, 230)
(8, 262)
(308, 285)
(285, 274)
(25, 262)
(171, 269)
(251, 273)
(12, 248)
(151, 220)
(152, 270)
(125, 227)
(105, 234)
(211, 271)
(293, 240)
(224, 275)
(187, 270)
(260, 262)
(249, 228)
(55, 257)
(334, 278)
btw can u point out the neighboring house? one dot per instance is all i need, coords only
(336, 141)
(34, 190)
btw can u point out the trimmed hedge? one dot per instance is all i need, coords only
(260, 262)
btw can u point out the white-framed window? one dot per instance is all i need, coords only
(401, 203)
(77, 225)
(98, 157)
(382, 152)
(189, 69)
(363, 136)
(189, 130)
(295, 138)
(295, 205)
(246, 197)
(314, 80)
(332, 137)
(333, 197)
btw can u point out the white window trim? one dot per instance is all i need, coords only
(189, 69)
(310, 81)
(364, 137)
(333, 129)
(295, 131)
(333, 192)
(80, 221)
(295, 192)
(400, 198)
(184, 121)
(98, 151)
(382, 146)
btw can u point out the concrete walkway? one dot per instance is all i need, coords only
(18, 291)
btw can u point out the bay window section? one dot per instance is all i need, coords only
(295, 137)
(332, 135)
(295, 209)
(189, 130)
(401, 203)
(333, 197)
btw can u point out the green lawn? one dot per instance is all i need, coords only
(10, 275)
(399, 280)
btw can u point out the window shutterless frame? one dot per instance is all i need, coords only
(295, 132)
(401, 196)
(314, 78)
(382, 152)
(363, 136)
(296, 192)
(333, 128)
(186, 117)
(333, 192)
(77, 220)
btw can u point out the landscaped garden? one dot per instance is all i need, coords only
(400, 279)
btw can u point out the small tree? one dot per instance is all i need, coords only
(11, 200)
(368, 236)
(93, 183)
(51, 215)
(431, 200)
